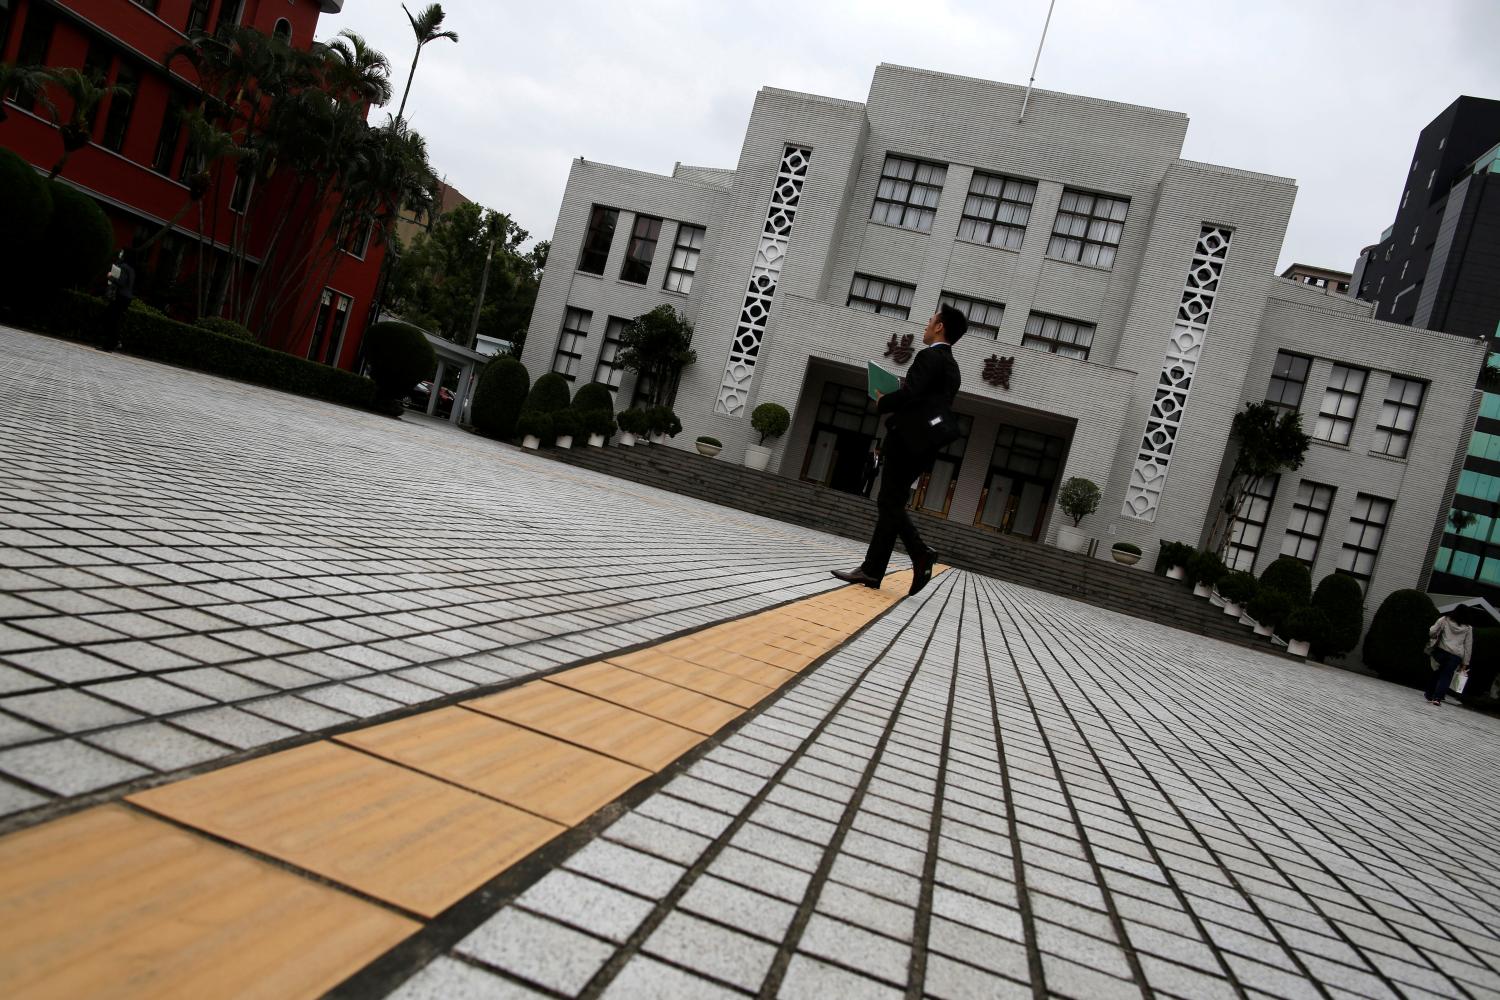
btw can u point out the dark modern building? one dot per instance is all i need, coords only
(1438, 267)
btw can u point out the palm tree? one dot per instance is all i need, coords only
(86, 94)
(425, 26)
(355, 70)
(21, 82)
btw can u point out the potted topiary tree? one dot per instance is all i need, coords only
(1125, 553)
(1203, 571)
(566, 426)
(1267, 609)
(534, 427)
(1078, 498)
(499, 396)
(632, 425)
(1291, 577)
(709, 446)
(1172, 559)
(1236, 590)
(1338, 596)
(770, 421)
(548, 398)
(600, 425)
(1302, 628)
(589, 403)
(1395, 646)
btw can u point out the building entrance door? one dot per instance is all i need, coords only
(934, 491)
(841, 438)
(1023, 472)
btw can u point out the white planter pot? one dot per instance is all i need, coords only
(1071, 539)
(1298, 647)
(1277, 640)
(1125, 558)
(565, 441)
(1263, 629)
(1176, 573)
(1246, 620)
(658, 439)
(757, 457)
(627, 439)
(710, 450)
(1231, 608)
(596, 440)
(1214, 598)
(1202, 590)
(531, 441)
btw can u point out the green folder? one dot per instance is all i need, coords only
(881, 380)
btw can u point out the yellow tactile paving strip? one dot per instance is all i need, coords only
(415, 814)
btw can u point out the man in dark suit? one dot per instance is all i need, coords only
(919, 425)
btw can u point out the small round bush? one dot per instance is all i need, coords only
(1291, 577)
(228, 328)
(1269, 607)
(535, 424)
(600, 422)
(499, 396)
(1205, 567)
(25, 205)
(594, 396)
(715, 442)
(1078, 498)
(1338, 596)
(399, 357)
(77, 245)
(1130, 547)
(1306, 624)
(1395, 644)
(634, 421)
(663, 421)
(566, 423)
(1237, 587)
(770, 421)
(550, 394)
(1171, 554)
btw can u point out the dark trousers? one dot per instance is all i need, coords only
(114, 321)
(1443, 676)
(896, 478)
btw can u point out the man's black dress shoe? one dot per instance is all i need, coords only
(921, 572)
(857, 576)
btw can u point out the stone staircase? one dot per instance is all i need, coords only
(1099, 582)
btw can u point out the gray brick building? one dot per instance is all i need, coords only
(1130, 295)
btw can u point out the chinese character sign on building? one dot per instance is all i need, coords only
(899, 348)
(997, 371)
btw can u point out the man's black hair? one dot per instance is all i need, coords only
(955, 323)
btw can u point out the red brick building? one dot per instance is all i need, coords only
(134, 165)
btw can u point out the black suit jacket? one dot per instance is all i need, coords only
(926, 392)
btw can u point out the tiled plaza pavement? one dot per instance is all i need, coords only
(993, 792)
(192, 568)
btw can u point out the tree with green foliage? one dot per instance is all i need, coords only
(399, 357)
(499, 396)
(75, 248)
(548, 397)
(1338, 596)
(85, 92)
(24, 83)
(1289, 576)
(657, 346)
(26, 207)
(770, 421)
(1395, 644)
(427, 27)
(1268, 440)
(435, 282)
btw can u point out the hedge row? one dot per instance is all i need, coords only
(77, 316)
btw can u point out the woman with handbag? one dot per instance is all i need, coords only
(1451, 646)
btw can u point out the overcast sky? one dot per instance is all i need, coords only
(1329, 92)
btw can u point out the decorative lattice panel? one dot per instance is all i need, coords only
(1164, 423)
(763, 280)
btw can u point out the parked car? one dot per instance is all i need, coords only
(421, 395)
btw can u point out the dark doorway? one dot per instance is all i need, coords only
(1018, 488)
(842, 436)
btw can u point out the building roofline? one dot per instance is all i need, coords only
(647, 173)
(839, 102)
(1099, 101)
(1238, 172)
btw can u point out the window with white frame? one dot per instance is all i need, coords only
(888, 298)
(1340, 404)
(984, 317)
(575, 331)
(997, 210)
(1398, 416)
(1249, 526)
(907, 195)
(1304, 529)
(684, 259)
(1059, 336)
(1087, 228)
(609, 370)
(1363, 537)
(1288, 379)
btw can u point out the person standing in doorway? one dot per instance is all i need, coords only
(120, 292)
(919, 425)
(872, 469)
(1452, 645)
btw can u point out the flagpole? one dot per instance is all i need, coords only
(1036, 61)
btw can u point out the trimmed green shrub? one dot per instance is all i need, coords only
(600, 422)
(227, 327)
(634, 421)
(499, 397)
(1338, 596)
(594, 396)
(549, 397)
(770, 420)
(1205, 567)
(140, 305)
(536, 424)
(1130, 547)
(1291, 577)
(25, 205)
(1078, 498)
(1269, 607)
(1171, 554)
(1306, 624)
(711, 441)
(399, 357)
(75, 248)
(566, 423)
(1236, 588)
(1484, 665)
(75, 315)
(661, 420)
(1395, 644)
